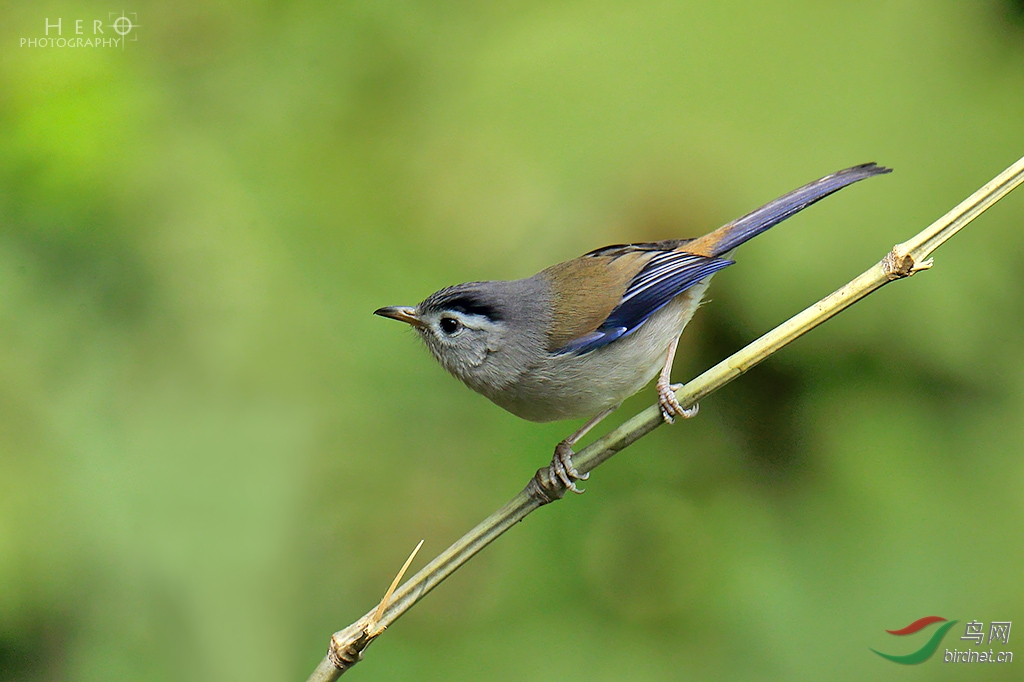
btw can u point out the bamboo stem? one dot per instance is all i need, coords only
(905, 259)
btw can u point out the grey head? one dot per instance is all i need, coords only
(487, 334)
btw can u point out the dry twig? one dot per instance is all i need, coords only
(902, 261)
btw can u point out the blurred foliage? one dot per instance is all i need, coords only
(212, 455)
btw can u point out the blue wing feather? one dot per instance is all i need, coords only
(662, 278)
(671, 271)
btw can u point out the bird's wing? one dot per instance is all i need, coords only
(663, 276)
(592, 304)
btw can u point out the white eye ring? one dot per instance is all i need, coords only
(449, 325)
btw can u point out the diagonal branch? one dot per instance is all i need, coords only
(913, 255)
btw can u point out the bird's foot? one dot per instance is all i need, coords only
(670, 407)
(562, 468)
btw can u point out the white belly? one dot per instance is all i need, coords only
(581, 386)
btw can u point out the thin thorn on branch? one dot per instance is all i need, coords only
(347, 646)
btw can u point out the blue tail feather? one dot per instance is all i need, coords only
(774, 212)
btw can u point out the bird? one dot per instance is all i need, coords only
(576, 339)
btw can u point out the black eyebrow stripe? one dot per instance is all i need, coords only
(468, 304)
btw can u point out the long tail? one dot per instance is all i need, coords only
(731, 235)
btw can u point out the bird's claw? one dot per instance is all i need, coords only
(562, 468)
(670, 407)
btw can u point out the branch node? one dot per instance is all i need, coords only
(544, 488)
(898, 264)
(347, 646)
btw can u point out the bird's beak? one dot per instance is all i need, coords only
(401, 313)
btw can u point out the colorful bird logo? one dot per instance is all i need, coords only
(925, 652)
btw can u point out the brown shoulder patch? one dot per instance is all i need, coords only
(585, 290)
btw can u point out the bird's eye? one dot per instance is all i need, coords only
(449, 325)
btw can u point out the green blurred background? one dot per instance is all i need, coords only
(212, 455)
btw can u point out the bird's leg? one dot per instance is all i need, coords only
(670, 407)
(561, 463)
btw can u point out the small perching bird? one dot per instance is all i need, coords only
(578, 338)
